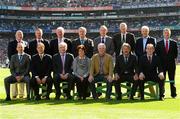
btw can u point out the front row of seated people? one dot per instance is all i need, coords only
(84, 72)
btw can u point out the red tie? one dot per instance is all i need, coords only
(167, 48)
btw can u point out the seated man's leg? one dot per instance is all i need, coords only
(14, 90)
(118, 90)
(26, 79)
(93, 89)
(21, 90)
(56, 80)
(35, 87)
(108, 88)
(161, 87)
(7, 82)
(49, 83)
(141, 88)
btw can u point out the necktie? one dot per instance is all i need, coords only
(63, 62)
(20, 58)
(167, 48)
(123, 38)
(150, 59)
(82, 42)
(126, 60)
(41, 56)
(102, 40)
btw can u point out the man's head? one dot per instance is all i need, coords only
(123, 27)
(103, 30)
(60, 32)
(126, 49)
(166, 33)
(101, 49)
(20, 48)
(40, 48)
(38, 33)
(19, 35)
(145, 31)
(150, 49)
(62, 47)
(82, 32)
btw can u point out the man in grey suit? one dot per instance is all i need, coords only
(103, 38)
(19, 68)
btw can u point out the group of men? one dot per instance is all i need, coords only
(136, 61)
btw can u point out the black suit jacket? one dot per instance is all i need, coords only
(54, 46)
(167, 59)
(42, 67)
(121, 67)
(139, 45)
(150, 70)
(109, 45)
(57, 64)
(33, 46)
(12, 48)
(89, 45)
(118, 42)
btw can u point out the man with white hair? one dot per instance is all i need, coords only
(167, 50)
(62, 70)
(11, 51)
(101, 70)
(83, 40)
(143, 41)
(60, 38)
(104, 38)
(123, 37)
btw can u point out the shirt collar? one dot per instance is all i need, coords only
(21, 54)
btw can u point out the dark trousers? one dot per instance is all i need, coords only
(129, 79)
(171, 74)
(100, 78)
(11, 79)
(48, 83)
(58, 80)
(154, 79)
(82, 86)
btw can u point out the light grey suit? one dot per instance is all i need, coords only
(108, 42)
(18, 67)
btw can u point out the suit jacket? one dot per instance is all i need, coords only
(54, 46)
(167, 58)
(89, 45)
(109, 45)
(152, 69)
(57, 64)
(95, 65)
(20, 68)
(118, 42)
(121, 67)
(33, 46)
(12, 48)
(139, 45)
(42, 67)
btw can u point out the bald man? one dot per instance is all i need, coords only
(41, 68)
(19, 68)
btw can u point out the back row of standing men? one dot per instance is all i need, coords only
(166, 49)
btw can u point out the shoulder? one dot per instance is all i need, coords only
(130, 34)
(47, 55)
(116, 35)
(54, 40)
(70, 55)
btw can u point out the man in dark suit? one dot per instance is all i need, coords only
(126, 69)
(60, 38)
(12, 45)
(103, 38)
(41, 67)
(141, 43)
(123, 37)
(39, 39)
(19, 68)
(167, 50)
(83, 40)
(62, 70)
(151, 70)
